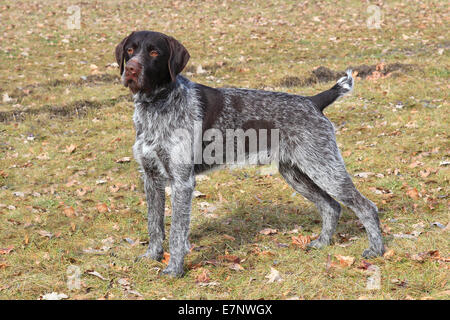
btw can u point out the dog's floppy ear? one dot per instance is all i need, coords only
(178, 57)
(119, 52)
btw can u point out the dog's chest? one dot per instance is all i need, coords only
(156, 144)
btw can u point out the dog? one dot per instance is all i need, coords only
(166, 102)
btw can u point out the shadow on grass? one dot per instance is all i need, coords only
(242, 226)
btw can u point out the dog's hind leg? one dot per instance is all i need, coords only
(326, 169)
(328, 208)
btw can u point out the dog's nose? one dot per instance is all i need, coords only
(133, 67)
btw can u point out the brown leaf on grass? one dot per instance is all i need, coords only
(6, 250)
(235, 267)
(375, 76)
(447, 228)
(102, 208)
(413, 193)
(70, 149)
(389, 254)
(44, 233)
(198, 194)
(345, 261)
(229, 237)
(3, 174)
(273, 276)
(364, 265)
(301, 241)
(425, 173)
(123, 160)
(114, 188)
(166, 258)
(53, 296)
(230, 258)
(71, 183)
(96, 274)
(3, 265)
(69, 212)
(414, 164)
(380, 67)
(81, 192)
(125, 283)
(203, 277)
(431, 254)
(268, 231)
(347, 153)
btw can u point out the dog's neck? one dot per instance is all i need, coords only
(159, 95)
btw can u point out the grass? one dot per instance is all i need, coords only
(395, 127)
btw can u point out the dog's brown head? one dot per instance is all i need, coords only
(149, 60)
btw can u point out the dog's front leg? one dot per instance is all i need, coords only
(155, 194)
(182, 184)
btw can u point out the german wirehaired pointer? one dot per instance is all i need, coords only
(166, 102)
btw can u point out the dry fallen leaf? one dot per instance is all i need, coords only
(229, 237)
(209, 284)
(6, 250)
(345, 261)
(102, 207)
(268, 231)
(388, 254)
(123, 160)
(69, 211)
(124, 282)
(45, 233)
(166, 258)
(413, 193)
(364, 265)
(301, 241)
(273, 276)
(203, 277)
(53, 296)
(81, 192)
(198, 194)
(96, 274)
(114, 188)
(432, 254)
(230, 258)
(71, 148)
(235, 267)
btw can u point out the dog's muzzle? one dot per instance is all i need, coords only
(132, 71)
(131, 75)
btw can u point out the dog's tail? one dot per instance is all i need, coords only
(343, 86)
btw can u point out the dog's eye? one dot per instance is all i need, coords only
(153, 53)
(130, 51)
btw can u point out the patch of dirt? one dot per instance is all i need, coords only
(324, 74)
(75, 109)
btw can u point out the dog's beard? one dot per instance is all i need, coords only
(133, 86)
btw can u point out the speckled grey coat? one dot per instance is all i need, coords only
(168, 111)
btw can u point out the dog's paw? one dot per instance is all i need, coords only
(372, 253)
(156, 255)
(317, 244)
(173, 271)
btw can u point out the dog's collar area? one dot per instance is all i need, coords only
(157, 94)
